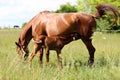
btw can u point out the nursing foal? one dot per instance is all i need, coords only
(53, 43)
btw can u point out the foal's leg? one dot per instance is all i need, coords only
(47, 55)
(40, 57)
(59, 59)
(91, 50)
(36, 48)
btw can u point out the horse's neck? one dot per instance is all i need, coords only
(26, 36)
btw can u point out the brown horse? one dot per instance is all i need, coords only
(53, 43)
(56, 24)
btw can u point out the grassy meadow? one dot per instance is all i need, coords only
(74, 55)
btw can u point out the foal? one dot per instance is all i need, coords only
(53, 43)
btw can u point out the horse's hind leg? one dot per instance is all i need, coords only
(91, 50)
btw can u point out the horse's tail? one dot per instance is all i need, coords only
(104, 8)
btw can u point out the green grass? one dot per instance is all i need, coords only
(75, 57)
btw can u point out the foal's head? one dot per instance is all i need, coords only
(75, 36)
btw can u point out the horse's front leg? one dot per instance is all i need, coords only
(59, 59)
(91, 50)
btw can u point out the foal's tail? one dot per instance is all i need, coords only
(104, 8)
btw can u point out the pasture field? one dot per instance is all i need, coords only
(74, 55)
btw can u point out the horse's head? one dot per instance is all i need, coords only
(19, 48)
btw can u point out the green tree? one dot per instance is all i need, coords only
(24, 24)
(85, 5)
(67, 8)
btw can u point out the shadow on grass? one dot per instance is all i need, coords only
(99, 63)
(75, 64)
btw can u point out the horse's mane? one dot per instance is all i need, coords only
(104, 7)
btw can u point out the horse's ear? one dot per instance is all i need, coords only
(18, 44)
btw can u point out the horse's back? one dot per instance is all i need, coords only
(63, 23)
